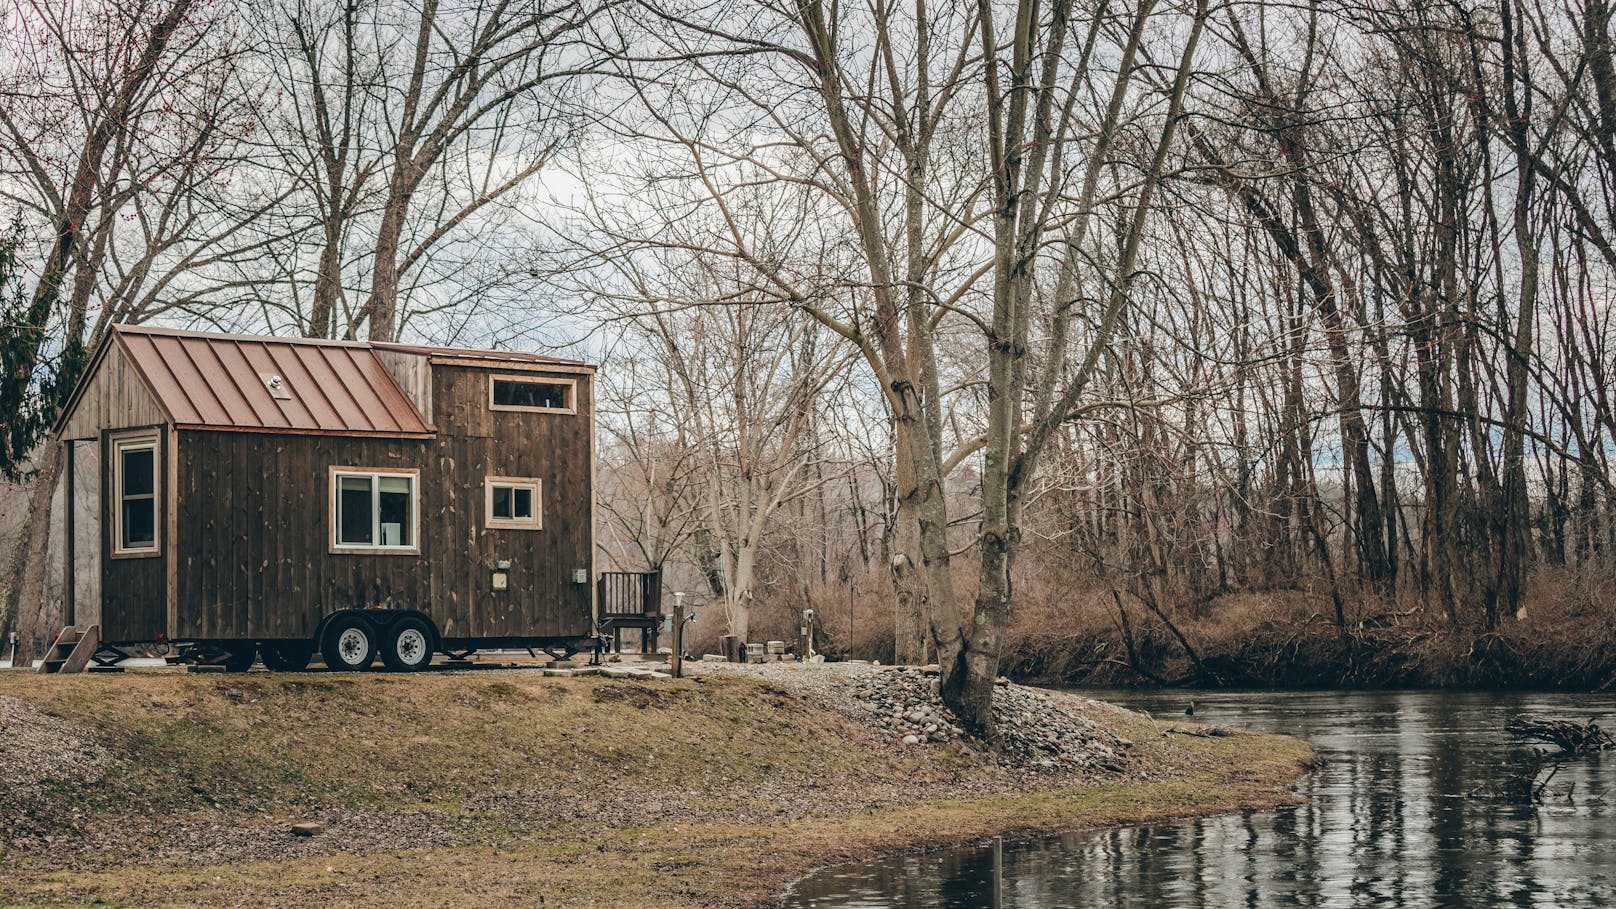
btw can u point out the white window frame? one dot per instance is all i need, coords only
(571, 394)
(374, 474)
(532, 483)
(120, 444)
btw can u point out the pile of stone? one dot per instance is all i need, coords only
(904, 704)
(1036, 731)
(1033, 730)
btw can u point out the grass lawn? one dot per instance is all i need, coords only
(480, 788)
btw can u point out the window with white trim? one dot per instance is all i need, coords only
(134, 466)
(535, 394)
(514, 503)
(374, 510)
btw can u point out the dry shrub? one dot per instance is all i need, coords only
(1069, 633)
(1065, 629)
(867, 620)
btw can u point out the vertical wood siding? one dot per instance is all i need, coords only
(84, 574)
(115, 397)
(134, 591)
(413, 373)
(254, 529)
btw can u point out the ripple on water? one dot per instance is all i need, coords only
(1387, 824)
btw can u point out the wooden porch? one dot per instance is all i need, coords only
(630, 599)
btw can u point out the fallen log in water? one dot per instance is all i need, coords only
(1522, 780)
(1569, 737)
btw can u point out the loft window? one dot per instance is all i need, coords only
(374, 510)
(135, 482)
(537, 395)
(513, 503)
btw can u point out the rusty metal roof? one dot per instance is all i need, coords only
(204, 380)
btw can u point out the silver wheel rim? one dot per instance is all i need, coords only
(351, 646)
(411, 646)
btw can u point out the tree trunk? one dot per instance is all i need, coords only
(26, 576)
(909, 627)
(1513, 516)
(382, 306)
(327, 283)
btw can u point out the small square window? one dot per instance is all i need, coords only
(534, 394)
(513, 503)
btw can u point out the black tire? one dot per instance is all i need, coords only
(348, 645)
(239, 658)
(286, 657)
(407, 645)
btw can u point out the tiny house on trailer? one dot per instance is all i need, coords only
(235, 496)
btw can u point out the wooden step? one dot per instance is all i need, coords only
(72, 650)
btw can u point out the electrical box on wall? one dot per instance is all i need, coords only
(501, 580)
(580, 576)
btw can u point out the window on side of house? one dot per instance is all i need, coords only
(533, 394)
(513, 503)
(135, 487)
(374, 510)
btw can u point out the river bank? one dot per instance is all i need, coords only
(1564, 641)
(475, 789)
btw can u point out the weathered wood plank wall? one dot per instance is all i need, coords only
(115, 397)
(254, 527)
(134, 590)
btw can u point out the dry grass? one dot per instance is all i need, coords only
(729, 790)
(1288, 638)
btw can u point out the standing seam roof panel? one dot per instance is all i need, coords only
(166, 383)
(261, 360)
(354, 408)
(215, 381)
(365, 367)
(289, 410)
(300, 383)
(213, 409)
(248, 385)
(323, 381)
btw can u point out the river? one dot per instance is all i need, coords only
(1388, 822)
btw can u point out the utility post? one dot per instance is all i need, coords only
(852, 628)
(807, 635)
(676, 661)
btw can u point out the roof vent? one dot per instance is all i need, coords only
(276, 385)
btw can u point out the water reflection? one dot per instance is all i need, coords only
(1388, 824)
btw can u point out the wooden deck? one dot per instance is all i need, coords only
(630, 599)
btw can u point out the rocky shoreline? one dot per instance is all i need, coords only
(1038, 730)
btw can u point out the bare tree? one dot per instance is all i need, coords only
(120, 123)
(480, 89)
(945, 244)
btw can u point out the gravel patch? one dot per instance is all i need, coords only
(42, 758)
(1037, 730)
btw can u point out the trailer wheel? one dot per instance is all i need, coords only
(239, 658)
(408, 646)
(349, 644)
(286, 657)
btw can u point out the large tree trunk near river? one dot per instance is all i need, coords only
(909, 633)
